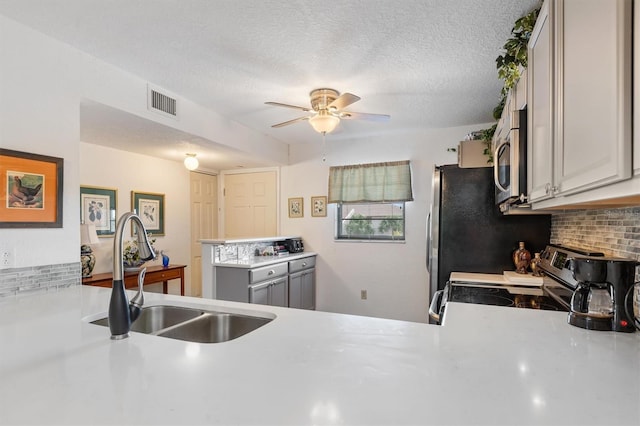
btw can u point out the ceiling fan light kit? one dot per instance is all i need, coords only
(324, 122)
(191, 162)
(327, 110)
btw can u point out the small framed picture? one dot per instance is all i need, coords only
(150, 208)
(98, 207)
(30, 190)
(296, 207)
(319, 206)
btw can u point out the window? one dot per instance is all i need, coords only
(370, 200)
(370, 221)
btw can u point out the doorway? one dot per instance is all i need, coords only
(204, 222)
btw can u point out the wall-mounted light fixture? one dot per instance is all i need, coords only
(191, 162)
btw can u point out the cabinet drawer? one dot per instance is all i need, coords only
(301, 264)
(166, 275)
(267, 272)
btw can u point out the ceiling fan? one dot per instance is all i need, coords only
(327, 110)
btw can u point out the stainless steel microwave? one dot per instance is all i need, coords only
(510, 160)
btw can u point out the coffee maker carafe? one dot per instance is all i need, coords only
(599, 301)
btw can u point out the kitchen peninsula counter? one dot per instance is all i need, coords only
(486, 365)
(258, 261)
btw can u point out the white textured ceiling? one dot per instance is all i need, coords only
(427, 63)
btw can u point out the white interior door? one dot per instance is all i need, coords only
(250, 205)
(204, 222)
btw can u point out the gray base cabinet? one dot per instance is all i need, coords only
(268, 285)
(302, 290)
(274, 293)
(288, 283)
(302, 283)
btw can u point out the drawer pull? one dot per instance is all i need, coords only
(304, 264)
(271, 272)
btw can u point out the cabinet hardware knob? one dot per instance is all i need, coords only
(271, 272)
(304, 263)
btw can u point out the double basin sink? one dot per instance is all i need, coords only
(193, 324)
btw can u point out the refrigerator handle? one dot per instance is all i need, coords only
(429, 242)
(434, 307)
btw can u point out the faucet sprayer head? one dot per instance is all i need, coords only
(145, 251)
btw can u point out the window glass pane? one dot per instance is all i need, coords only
(378, 221)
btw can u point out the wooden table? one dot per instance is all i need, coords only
(155, 274)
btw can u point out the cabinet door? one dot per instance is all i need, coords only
(302, 290)
(593, 83)
(295, 290)
(636, 88)
(540, 108)
(308, 293)
(279, 292)
(259, 293)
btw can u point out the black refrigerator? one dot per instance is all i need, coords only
(466, 232)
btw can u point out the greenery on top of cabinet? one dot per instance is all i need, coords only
(509, 65)
(515, 51)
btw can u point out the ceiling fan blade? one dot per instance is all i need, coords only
(343, 101)
(286, 123)
(306, 109)
(364, 116)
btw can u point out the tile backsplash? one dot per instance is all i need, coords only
(615, 232)
(35, 279)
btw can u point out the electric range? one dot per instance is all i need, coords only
(551, 292)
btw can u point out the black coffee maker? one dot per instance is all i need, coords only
(600, 300)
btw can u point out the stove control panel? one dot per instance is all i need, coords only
(555, 261)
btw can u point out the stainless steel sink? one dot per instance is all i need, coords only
(191, 324)
(156, 318)
(214, 327)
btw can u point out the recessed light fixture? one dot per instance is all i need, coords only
(191, 162)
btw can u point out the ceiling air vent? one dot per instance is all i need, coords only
(162, 103)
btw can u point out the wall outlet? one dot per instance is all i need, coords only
(363, 294)
(7, 259)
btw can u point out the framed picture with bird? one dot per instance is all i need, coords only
(31, 190)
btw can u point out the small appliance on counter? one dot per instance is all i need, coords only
(292, 245)
(600, 300)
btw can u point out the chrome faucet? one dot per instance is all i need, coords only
(122, 313)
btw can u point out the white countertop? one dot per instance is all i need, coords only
(257, 261)
(486, 365)
(245, 240)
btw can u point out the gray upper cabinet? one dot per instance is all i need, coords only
(580, 58)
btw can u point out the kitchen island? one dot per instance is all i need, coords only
(486, 365)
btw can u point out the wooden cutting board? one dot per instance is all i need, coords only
(523, 279)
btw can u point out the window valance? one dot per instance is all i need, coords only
(377, 182)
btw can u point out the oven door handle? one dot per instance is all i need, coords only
(434, 307)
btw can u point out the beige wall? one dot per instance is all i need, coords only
(106, 167)
(394, 274)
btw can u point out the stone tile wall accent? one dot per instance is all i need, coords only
(615, 232)
(233, 252)
(37, 279)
